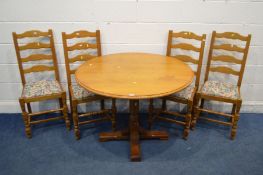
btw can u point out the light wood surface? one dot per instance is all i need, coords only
(134, 75)
(188, 47)
(234, 47)
(28, 113)
(71, 45)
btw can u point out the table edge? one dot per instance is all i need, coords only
(134, 97)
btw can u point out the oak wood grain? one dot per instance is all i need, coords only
(134, 75)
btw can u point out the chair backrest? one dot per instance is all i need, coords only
(34, 57)
(79, 46)
(190, 47)
(228, 58)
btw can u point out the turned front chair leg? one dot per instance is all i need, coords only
(63, 104)
(75, 119)
(234, 107)
(29, 108)
(235, 120)
(25, 118)
(150, 116)
(114, 111)
(188, 118)
(196, 112)
(195, 117)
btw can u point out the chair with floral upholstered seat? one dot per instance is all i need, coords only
(80, 46)
(231, 50)
(187, 43)
(38, 88)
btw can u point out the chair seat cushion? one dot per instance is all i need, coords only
(80, 93)
(41, 88)
(220, 89)
(185, 93)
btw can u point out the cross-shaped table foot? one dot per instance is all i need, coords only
(134, 133)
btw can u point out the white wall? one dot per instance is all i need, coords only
(131, 25)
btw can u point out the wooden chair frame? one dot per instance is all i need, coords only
(234, 116)
(74, 102)
(189, 102)
(27, 112)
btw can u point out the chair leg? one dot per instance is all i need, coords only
(113, 117)
(233, 109)
(75, 119)
(235, 121)
(29, 108)
(25, 118)
(233, 113)
(188, 118)
(63, 104)
(150, 116)
(102, 104)
(164, 106)
(187, 125)
(196, 112)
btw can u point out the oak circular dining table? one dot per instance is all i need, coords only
(134, 76)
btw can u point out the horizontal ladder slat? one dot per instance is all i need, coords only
(45, 112)
(36, 57)
(83, 57)
(229, 47)
(185, 46)
(231, 35)
(187, 35)
(216, 121)
(46, 120)
(82, 46)
(33, 33)
(227, 58)
(39, 68)
(80, 34)
(35, 45)
(186, 58)
(225, 70)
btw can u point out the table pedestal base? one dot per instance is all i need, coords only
(134, 133)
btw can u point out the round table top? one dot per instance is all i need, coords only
(134, 75)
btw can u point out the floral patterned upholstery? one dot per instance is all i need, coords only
(80, 93)
(220, 89)
(41, 88)
(185, 93)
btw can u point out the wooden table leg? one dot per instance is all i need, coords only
(116, 135)
(134, 133)
(145, 134)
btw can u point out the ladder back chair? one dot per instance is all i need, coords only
(222, 91)
(43, 89)
(77, 51)
(186, 96)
